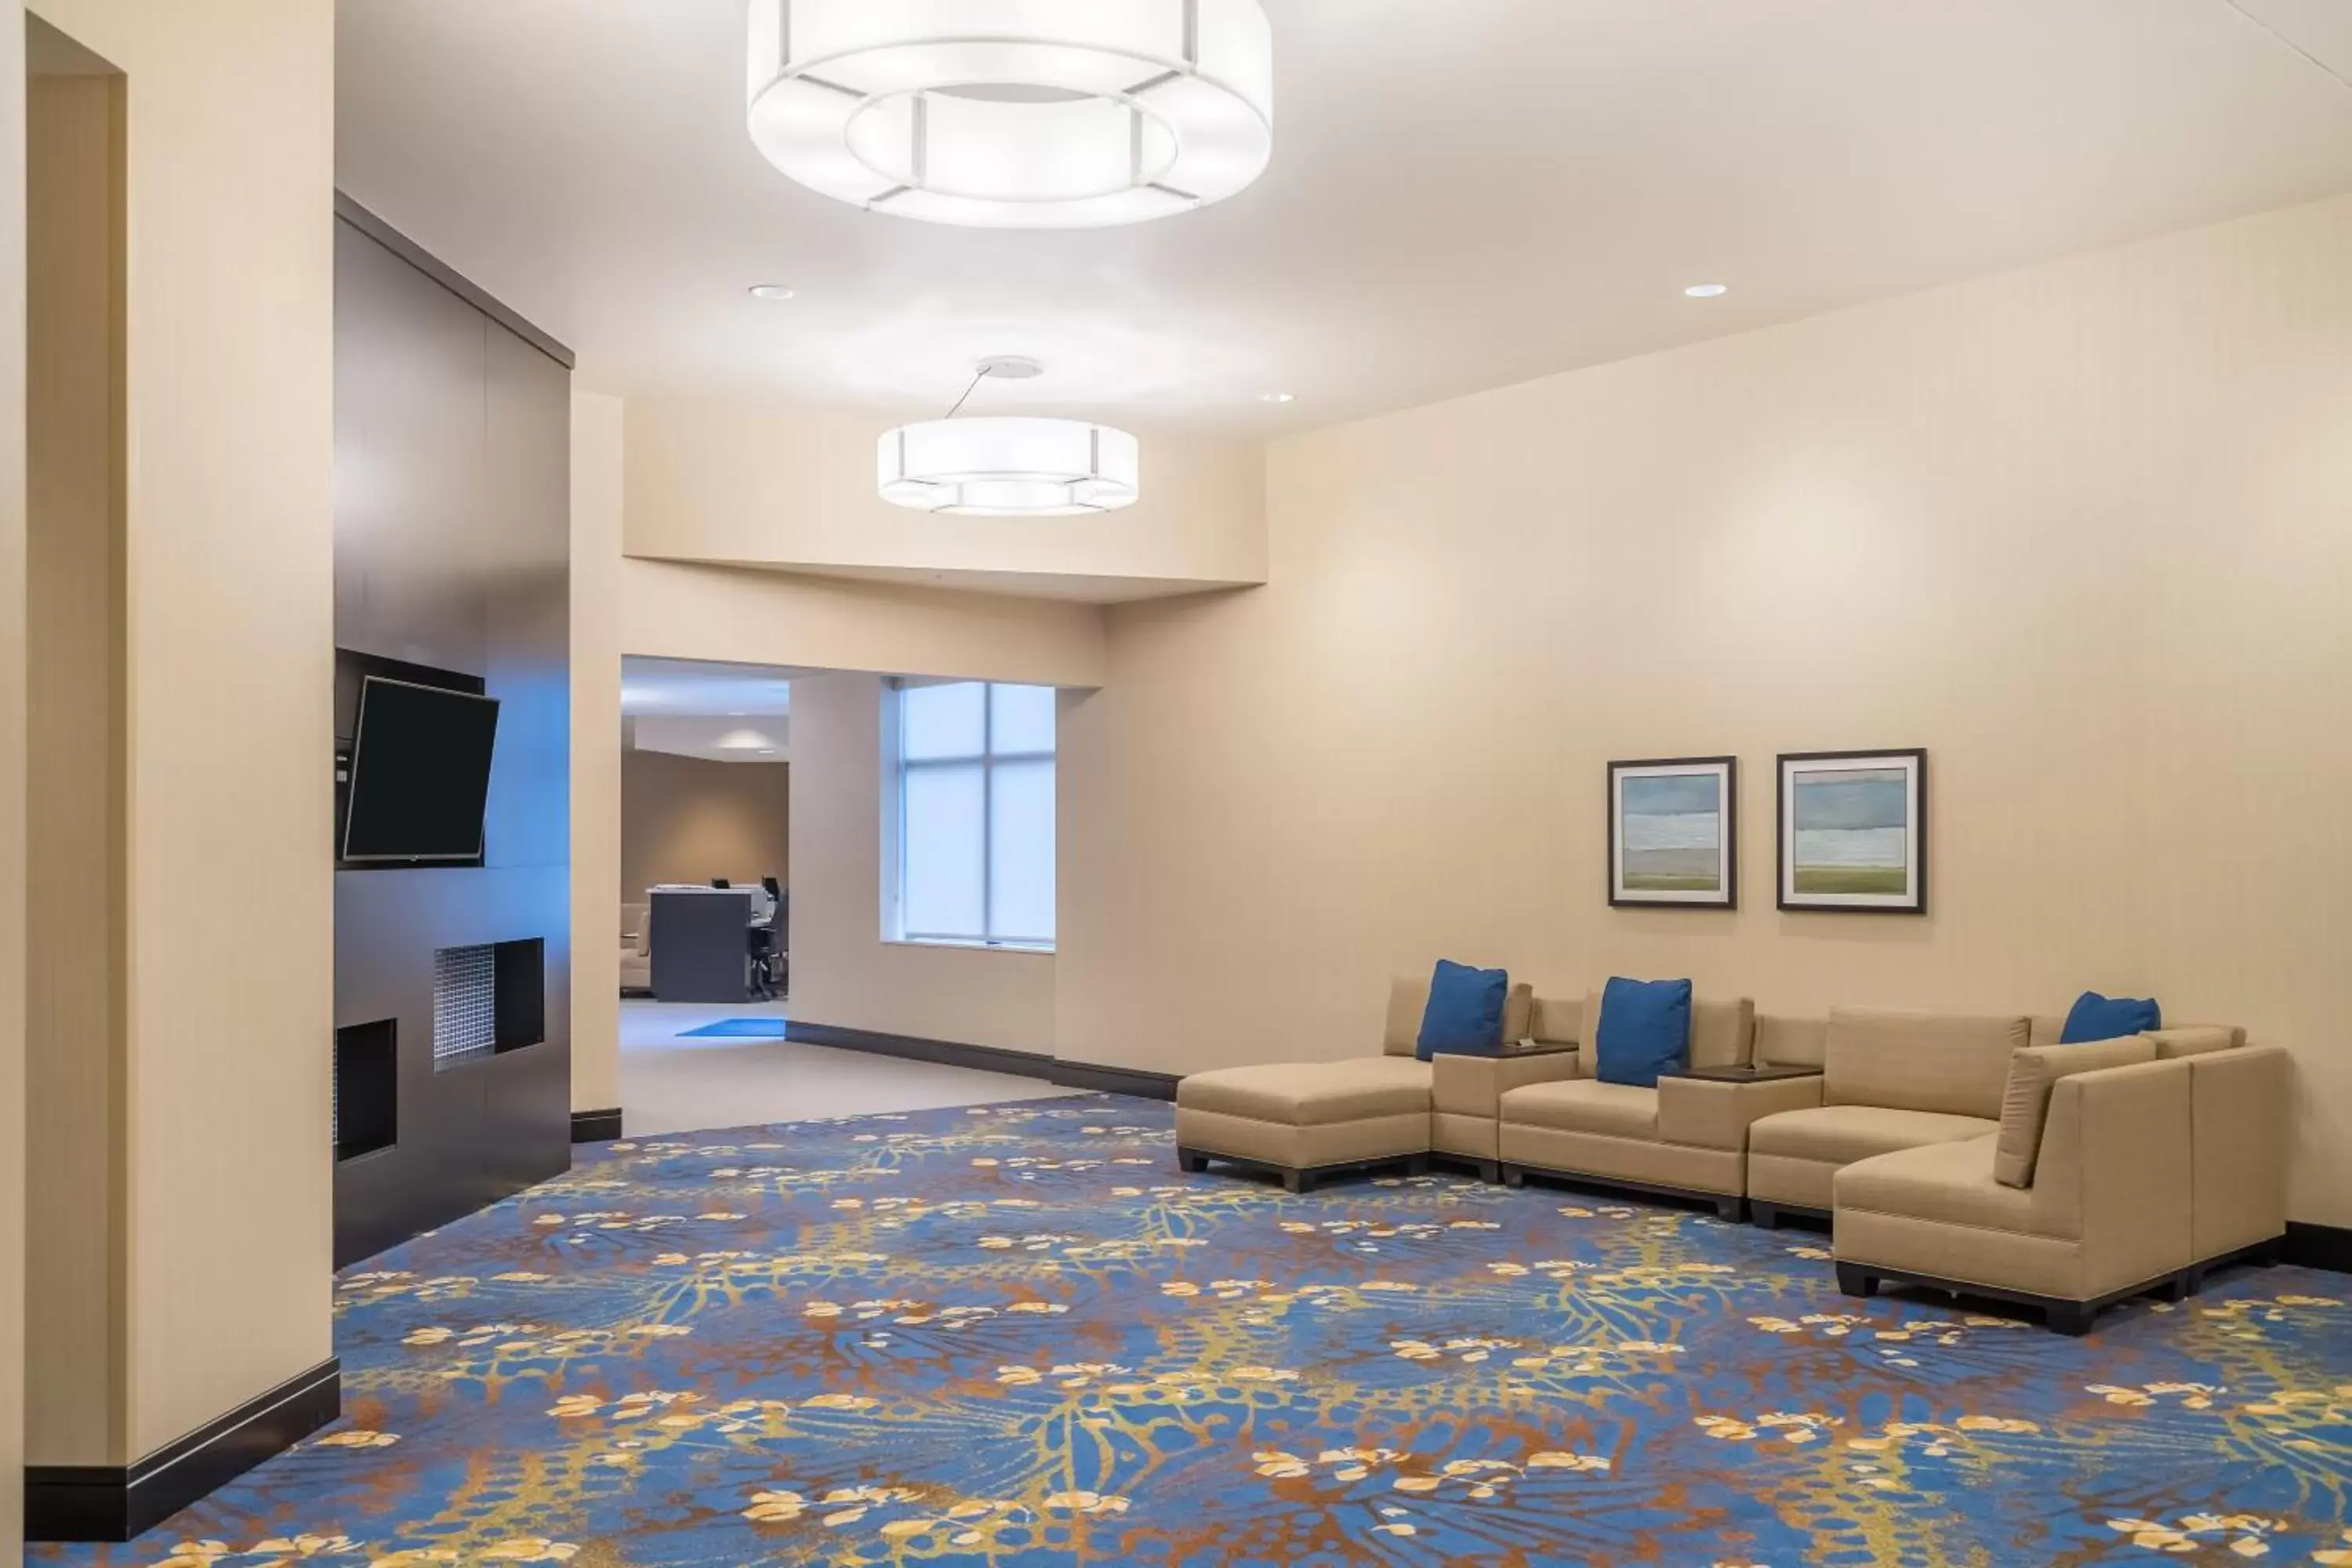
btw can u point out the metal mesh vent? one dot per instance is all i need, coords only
(464, 1003)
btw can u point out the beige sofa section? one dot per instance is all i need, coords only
(2145, 1176)
(2238, 1139)
(1466, 1092)
(1304, 1121)
(1688, 1137)
(1890, 1082)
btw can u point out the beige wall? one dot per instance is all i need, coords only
(687, 819)
(755, 480)
(12, 774)
(228, 1202)
(76, 870)
(747, 616)
(843, 973)
(2080, 531)
(596, 750)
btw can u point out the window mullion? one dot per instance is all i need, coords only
(988, 817)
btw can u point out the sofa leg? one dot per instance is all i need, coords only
(1853, 1280)
(1416, 1165)
(1731, 1210)
(1490, 1171)
(2269, 1254)
(2181, 1285)
(1299, 1181)
(1763, 1215)
(2070, 1318)
(1192, 1161)
(1513, 1177)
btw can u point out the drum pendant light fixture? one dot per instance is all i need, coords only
(1016, 113)
(1009, 466)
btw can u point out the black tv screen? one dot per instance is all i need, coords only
(420, 772)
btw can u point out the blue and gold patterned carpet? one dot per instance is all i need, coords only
(1014, 1335)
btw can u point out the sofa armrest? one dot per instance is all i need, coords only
(2116, 1171)
(1474, 1086)
(1708, 1114)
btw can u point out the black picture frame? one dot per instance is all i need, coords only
(1913, 899)
(1726, 895)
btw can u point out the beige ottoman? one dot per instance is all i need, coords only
(1304, 1121)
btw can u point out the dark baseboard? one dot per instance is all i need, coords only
(988, 1058)
(2327, 1246)
(116, 1502)
(1142, 1085)
(595, 1126)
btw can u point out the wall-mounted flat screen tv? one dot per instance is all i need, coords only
(420, 773)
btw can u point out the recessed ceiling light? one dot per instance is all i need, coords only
(770, 291)
(1278, 397)
(1707, 290)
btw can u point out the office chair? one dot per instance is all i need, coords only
(770, 974)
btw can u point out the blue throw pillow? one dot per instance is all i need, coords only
(1644, 1031)
(2097, 1017)
(1464, 1011)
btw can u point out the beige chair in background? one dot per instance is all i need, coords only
(636, 947)
(1685, 1138)
(2116, 1168)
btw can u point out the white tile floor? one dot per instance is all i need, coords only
(671, 1084)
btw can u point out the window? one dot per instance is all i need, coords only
(970, 815)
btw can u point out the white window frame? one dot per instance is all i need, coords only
(895, 769)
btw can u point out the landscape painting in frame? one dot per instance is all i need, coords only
(1672, 831)
(1854, 831)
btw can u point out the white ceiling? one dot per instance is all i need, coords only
(766, 740)
(678, 687)
(1464, 192)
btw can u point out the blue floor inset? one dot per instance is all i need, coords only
(739, 1029)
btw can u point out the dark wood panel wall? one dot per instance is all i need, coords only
(452, 553)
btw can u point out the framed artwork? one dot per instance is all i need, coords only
(1672, 834)
(1854, 832)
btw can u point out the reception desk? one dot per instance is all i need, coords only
(700, 945)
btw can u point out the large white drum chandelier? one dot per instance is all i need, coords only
(1016, 113)
(1009, 466)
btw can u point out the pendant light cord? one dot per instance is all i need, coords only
(968, 391)
(2308, 56)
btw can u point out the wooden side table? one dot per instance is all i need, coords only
(1768, 1073)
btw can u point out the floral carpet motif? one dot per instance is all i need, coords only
(1015, 1335)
